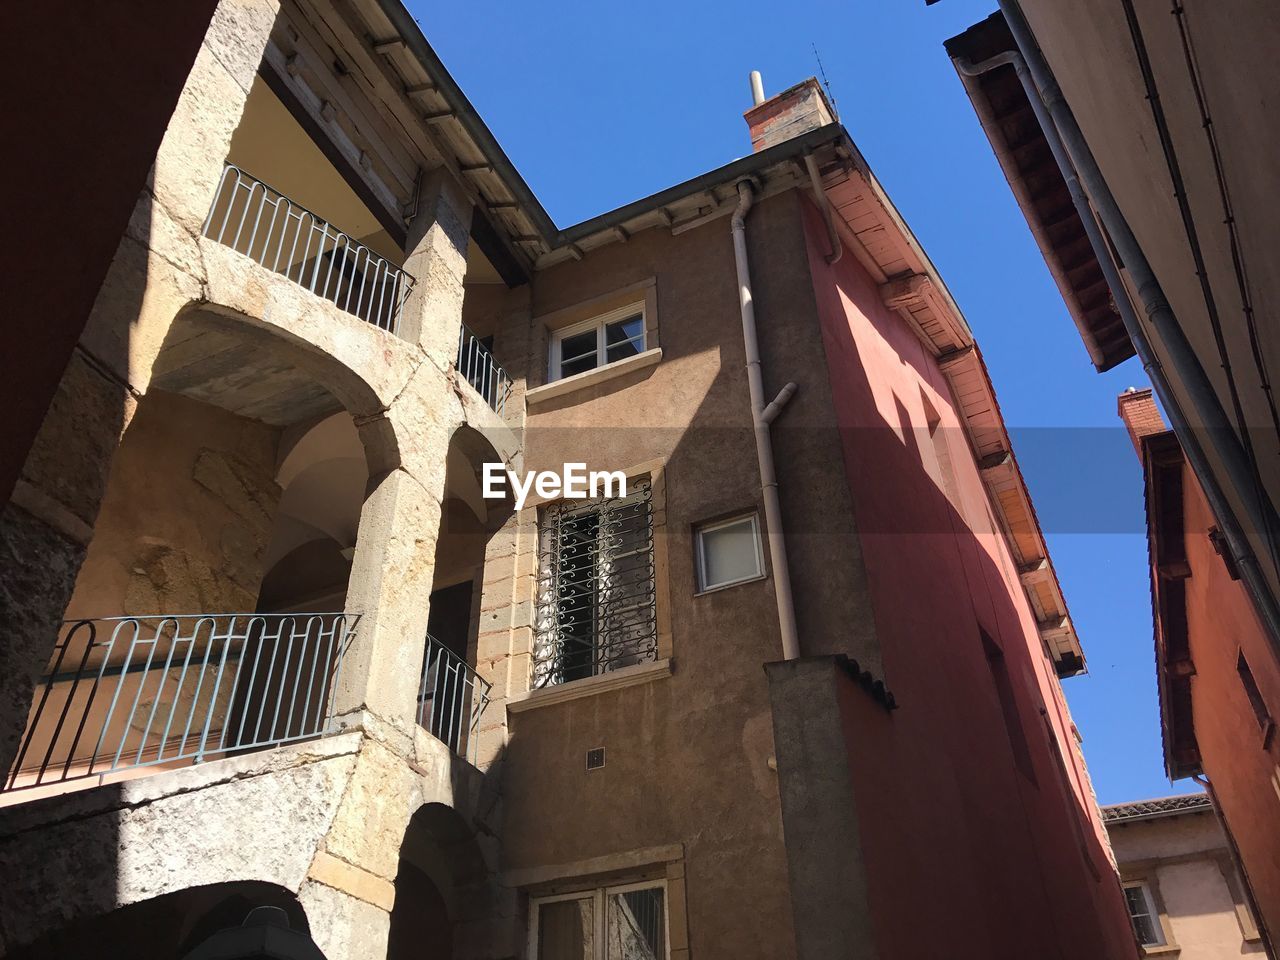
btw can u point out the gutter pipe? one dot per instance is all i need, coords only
(1076, 162)
(837, 248)
(761, 418)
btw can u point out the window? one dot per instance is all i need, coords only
(610, 923)
(1260, 711)
(603, 340)
(943, 474)
(1009, 707)
(1143, 914)
(596, 607)
(729, 552)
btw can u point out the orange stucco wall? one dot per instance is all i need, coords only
(1221, 624)
(967, 852)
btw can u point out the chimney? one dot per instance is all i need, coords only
(793, 112)
(1141, 418)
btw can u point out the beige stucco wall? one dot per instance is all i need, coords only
(688, 755)
(1186, 863)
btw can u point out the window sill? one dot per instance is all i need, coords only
(589, 687)
(729, 586)
(580, 381)
(1167, 950)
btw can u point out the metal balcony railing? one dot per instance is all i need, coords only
(262, 223)
(478, 368)
(129, 692)
(451, 699)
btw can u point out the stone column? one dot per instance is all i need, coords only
(437, 260)
(390, 586)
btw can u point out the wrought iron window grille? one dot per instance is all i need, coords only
(596, 605)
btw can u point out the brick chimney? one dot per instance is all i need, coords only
(1137, 408)
(792, 112)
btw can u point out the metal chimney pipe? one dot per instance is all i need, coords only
(757, 88)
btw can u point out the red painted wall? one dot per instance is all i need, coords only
(1220, 624)
(967, 855)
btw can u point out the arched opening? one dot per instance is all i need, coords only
(176, 925)
(452, 697)
(208, 616)
(440, 866)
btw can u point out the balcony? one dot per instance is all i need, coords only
(260, 222)
(127, 693)
(451, 699)
(478, 368)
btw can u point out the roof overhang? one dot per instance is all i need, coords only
(1163, 467)
(1190, 803)
(1019, 143)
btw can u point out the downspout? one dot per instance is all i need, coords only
(833, 235)
(761, 417)
(1076, 162)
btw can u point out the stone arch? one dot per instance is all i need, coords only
(170, 925)
(287, 370)
(441, 868)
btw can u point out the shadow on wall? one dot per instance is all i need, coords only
(967, 778)
(169, 927)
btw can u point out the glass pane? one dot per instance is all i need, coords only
(578, 353)
(624, 338)
(637, 925)
(630, 329)
(1144, 924)
(566, 930)
(730, 553)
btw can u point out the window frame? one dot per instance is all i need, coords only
(599, 895)
(599, 323)
(700, 559)
(1153, 912)
(642, 490)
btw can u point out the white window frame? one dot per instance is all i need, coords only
(706, 587)
(1149, 899)
(599, 897)
(599, 323)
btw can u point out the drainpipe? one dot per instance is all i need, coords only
(837, 248)
(1076, 162)
(760, 422)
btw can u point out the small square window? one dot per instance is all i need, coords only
(729, 552)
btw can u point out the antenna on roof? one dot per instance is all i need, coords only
(825, 82)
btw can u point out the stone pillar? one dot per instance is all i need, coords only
(46, 528)
(504, 644)
(437, 260)
(390, 586)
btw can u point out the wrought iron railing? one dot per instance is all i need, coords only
(478, 368)
(127, 692)
(262, 223)
(451, 699)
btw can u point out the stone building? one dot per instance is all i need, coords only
(274, 657)
(1180, 879)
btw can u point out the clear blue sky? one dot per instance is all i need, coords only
(600, 103)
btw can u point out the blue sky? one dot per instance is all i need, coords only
(600, 103)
